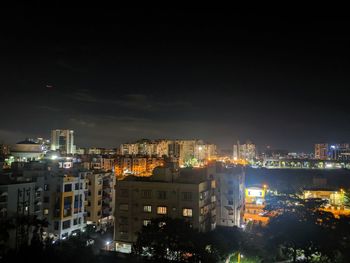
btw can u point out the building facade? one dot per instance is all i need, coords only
(64, 200)
(136, 165)
(164, 194)
(245, 151)
(321, 151)
(100, 198)
(254, 206)
(19, 199)
(230, 196)
(63, 141)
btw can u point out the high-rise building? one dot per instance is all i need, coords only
(188, 150)
(339, 152)
(245, 151)
(321, 151)
(184, 150)
(63, 141)
(162, 147)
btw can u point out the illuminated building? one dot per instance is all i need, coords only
(141, 147)
(334, 199)
(100, 198)
(162, 147)
(192, 150)
(230, 196)
(63, 195)
(63, 202)
(254, 205)
(321, 151)
(98, 162)
(27, 150)
(63, 141)
(136, 165)
(339, 152)
(184, 150)
(189, 195)
(129, 149)
(245, 151)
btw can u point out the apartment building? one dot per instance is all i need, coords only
(187, 194)
(100, 198)
(230, 196)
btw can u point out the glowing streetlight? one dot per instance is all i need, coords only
(107, 244)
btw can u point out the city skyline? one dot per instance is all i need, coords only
(209, 74)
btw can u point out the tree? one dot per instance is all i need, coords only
(300, 229)
(347, 198)
(166, 239)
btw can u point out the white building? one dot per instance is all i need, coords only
(64, 202)
(245, 151)
(27, 151)
(63, 141)
(230, 196)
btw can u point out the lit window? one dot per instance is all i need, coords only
(161, 210)
(187, 212)
(147, 208)
(146, 222)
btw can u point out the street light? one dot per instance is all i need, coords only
(107, 244)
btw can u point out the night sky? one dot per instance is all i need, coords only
(219, 75)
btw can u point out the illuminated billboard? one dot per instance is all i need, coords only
(255, 192)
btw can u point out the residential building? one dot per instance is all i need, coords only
(245, 151)
(136, 165)
(98, 162)
(64, 193)
(100, 198)
(184, 150)
(321, 151)
(188, 194)
(19, 198)
(64, 202)
(230, 196)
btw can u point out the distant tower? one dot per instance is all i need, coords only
(63, 141)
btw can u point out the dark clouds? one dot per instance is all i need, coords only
(210, 74)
